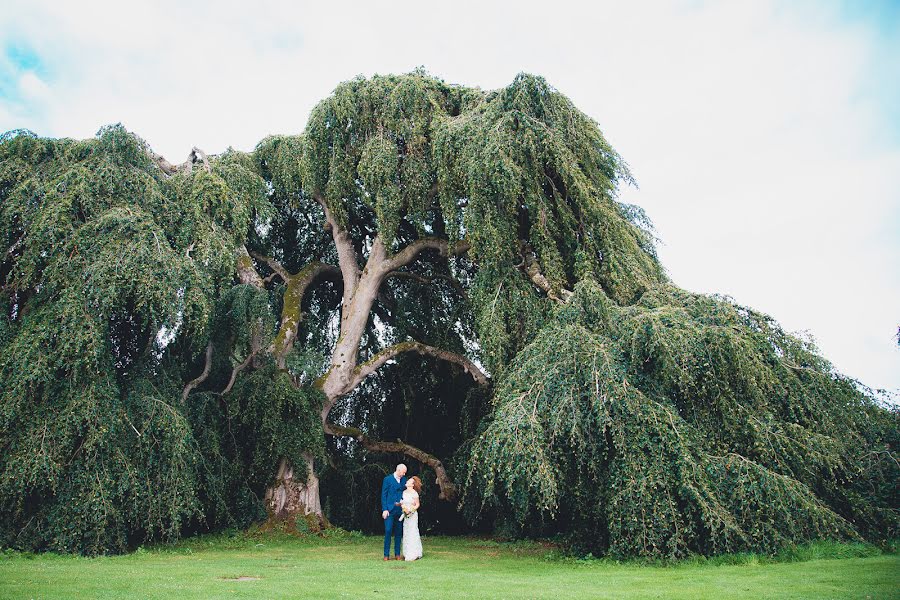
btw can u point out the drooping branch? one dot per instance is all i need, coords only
(449, 490)
(372, 365)
(238, 368)
(248, 275)
(13, 248)
(207, 365)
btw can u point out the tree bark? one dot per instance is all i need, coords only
(187, 166)
(533, 270)
(372, 365)
(290, 496)
(202, 377)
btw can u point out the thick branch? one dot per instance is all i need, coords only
(202, 377)
(292, 305)
(194, 155)
(246, 272)
(449, 490)
(170, 169)
(273, 264)
(408, 254)
(164, 165)
(370, 366)
(346, 253)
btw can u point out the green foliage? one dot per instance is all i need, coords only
(682, 424)
(86, 469)
(516, 172)
(634, 418)
(275, 419)
(113, 273)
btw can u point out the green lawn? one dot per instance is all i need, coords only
(350, 566)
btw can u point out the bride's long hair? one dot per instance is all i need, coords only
(417, 484)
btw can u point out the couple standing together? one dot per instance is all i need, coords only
(399, 509)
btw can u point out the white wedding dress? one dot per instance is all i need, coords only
(412, 543)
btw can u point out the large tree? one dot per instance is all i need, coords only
(179, 341)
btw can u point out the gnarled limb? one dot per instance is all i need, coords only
(169, 169)
(409, 253)
(291, 311)
(372, 365)
(197, 153)
(273, 264)
(246, 272)
(533, 270)
(449, 490)
(202, 377)
(164, 165)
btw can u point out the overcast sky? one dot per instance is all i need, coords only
(764, 135)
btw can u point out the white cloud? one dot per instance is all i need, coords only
(33, 87)
(766, 167)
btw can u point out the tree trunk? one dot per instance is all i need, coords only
(291, 497)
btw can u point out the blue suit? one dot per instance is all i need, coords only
(391, 493)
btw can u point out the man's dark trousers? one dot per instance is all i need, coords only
(391, 494)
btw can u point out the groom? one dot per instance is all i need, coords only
(391, 493)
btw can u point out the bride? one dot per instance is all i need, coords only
(412, 543)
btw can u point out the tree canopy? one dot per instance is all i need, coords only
(428, 271)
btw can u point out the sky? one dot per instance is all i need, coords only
(764, 135)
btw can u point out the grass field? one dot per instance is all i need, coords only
(350, 566)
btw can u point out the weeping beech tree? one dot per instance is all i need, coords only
(682, 423)
(180, 341)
